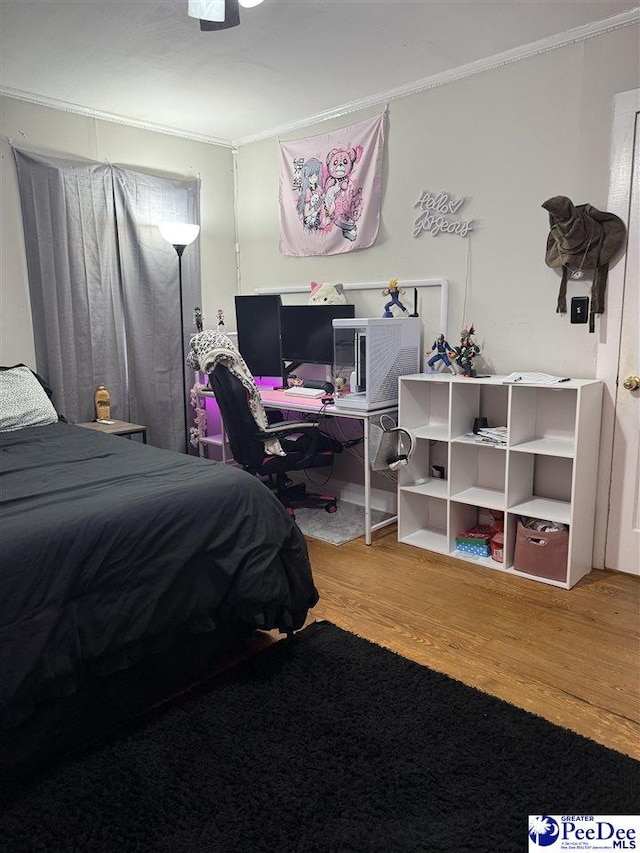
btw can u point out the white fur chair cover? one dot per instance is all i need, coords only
(206, 350)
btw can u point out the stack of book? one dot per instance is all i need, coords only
(497, 435)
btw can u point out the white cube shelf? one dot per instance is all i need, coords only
(546, 470)
(422, 521)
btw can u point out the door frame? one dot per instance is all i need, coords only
(626, 106)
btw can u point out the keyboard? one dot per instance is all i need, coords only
(301, 391)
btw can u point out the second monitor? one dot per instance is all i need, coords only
(307, 331)
(258, 325)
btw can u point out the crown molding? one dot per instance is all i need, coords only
(528, 51)
(66, 107)
(518, 54)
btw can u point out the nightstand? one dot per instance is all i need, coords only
(117, 428)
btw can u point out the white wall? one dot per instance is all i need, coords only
(68, 135)
(507, 140)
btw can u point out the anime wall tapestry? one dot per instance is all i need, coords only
(330, 190)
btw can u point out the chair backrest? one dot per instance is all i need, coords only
(233, 400)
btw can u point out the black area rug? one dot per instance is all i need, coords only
(322, 743)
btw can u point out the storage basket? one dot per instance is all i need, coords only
(543, 554)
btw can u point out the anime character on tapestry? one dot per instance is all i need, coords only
(334, 182)
(328, 194)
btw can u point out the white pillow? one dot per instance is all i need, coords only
(23, 401)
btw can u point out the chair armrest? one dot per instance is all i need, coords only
(285, 428)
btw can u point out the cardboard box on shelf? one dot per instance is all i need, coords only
(475, 541)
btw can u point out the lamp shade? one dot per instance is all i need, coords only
(179, 233)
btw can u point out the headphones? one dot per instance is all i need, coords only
(398, 459)
(395, 462)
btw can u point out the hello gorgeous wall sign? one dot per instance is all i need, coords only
(436, 210)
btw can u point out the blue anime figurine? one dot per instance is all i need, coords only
(442, 351)
(394, 292)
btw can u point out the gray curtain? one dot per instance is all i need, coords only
(104, 289)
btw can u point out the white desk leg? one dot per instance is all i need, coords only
(367, 485)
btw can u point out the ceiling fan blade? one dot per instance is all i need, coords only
(231, 18)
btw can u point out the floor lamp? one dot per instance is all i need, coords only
(180, 236)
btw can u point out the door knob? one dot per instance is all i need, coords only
(631, 383)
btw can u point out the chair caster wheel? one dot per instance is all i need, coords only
(332, 507)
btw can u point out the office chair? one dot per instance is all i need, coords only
(305, 446)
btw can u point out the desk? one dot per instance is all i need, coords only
(279, 400)
(273, 399)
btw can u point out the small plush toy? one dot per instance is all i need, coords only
(327, 294)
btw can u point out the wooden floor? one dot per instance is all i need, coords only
(571, 656)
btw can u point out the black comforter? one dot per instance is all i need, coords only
(108, 545)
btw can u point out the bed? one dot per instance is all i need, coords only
(115, 554)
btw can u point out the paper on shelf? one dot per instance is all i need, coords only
(532, 378)
(497, 434)
(480, 438)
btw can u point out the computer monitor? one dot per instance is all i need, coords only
(258, 325)
(307, 331)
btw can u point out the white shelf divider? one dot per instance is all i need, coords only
(433, 432)
(544, 508)
(547, 447)
(434, 488)
(478, 496)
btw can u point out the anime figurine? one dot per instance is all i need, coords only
(467, 351)
(221, 326)
(395, 293)
(442, 351)
(198, 319)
